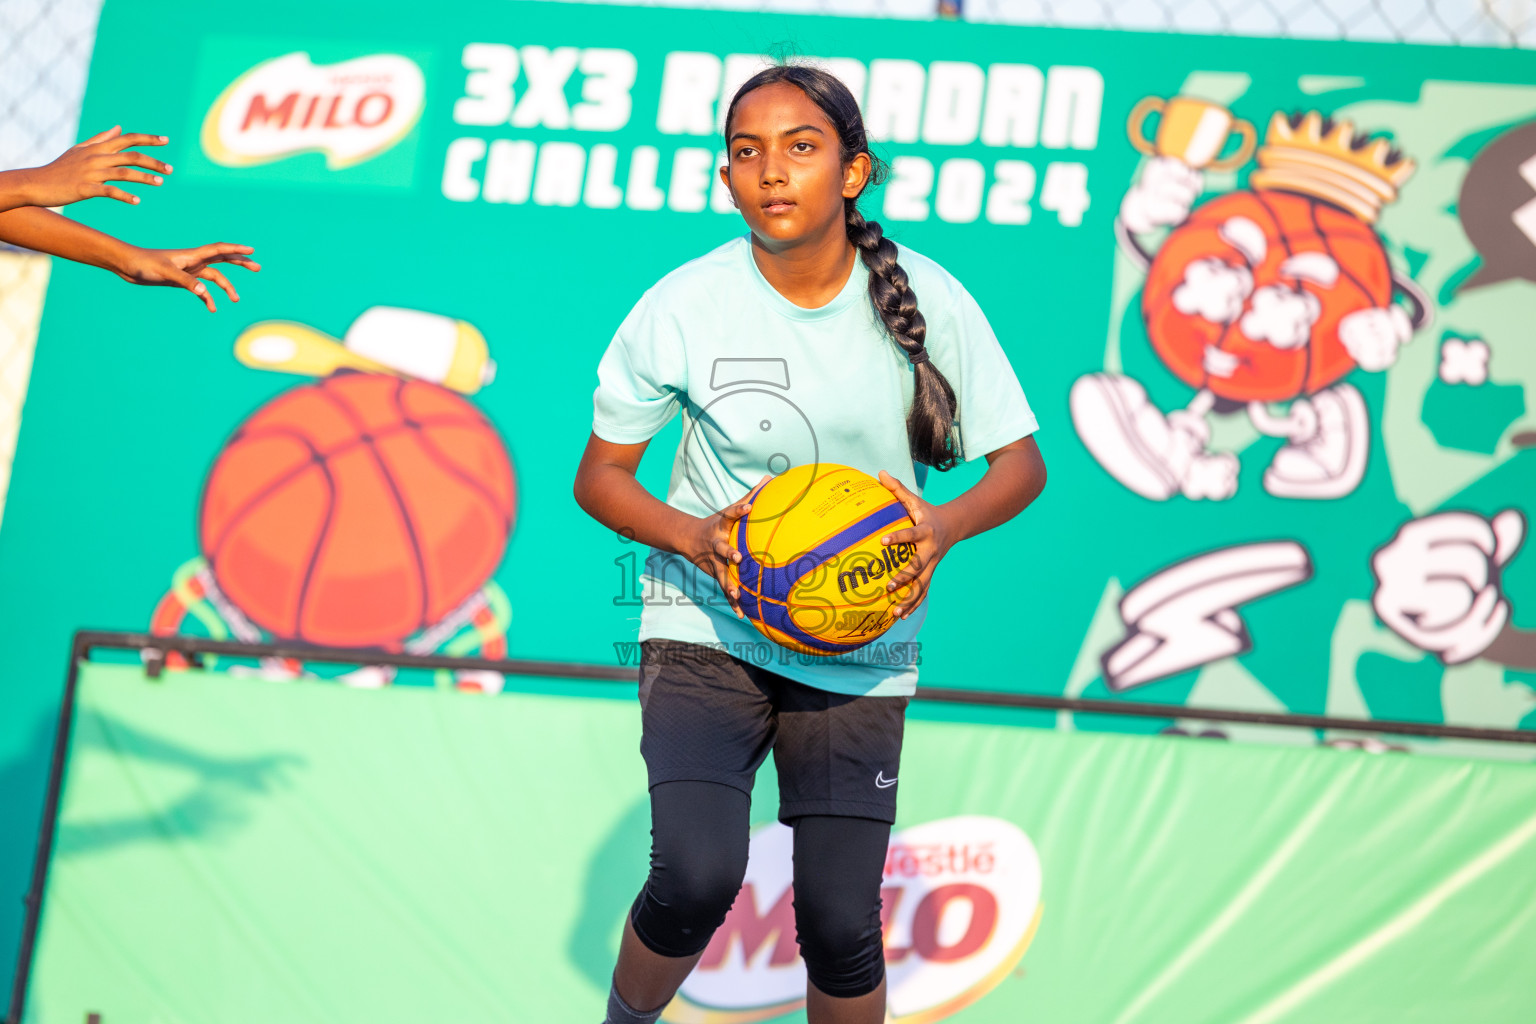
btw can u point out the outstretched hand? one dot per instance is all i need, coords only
(933, 537)
(188, 268)
(84, 170)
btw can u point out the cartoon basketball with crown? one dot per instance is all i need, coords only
(1269, 294)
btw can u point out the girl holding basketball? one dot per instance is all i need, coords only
(818, 304)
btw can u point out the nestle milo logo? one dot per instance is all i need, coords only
(351, 111)
(891, 559)
(959, 905)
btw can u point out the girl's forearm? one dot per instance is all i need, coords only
(1014, 478)
(613, 497)
(42, 230)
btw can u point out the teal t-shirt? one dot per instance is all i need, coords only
(763, 385)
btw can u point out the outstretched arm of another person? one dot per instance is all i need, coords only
(32, 227)
(83, 171)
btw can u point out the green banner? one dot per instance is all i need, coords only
(234, 848)
(1268, 298)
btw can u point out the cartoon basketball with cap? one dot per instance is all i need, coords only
(367, 509)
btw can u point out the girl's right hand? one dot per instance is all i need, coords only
(711, 547)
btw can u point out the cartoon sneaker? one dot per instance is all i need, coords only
(1329, 461)
(1154, 455)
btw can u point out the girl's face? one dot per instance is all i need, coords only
(783, 168)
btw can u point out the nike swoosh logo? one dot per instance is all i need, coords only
(882, 782)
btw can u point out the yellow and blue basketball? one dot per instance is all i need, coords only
(813, 572)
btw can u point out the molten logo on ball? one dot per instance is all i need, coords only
(960, 904)
(891, 559)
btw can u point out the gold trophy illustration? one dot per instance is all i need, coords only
(1192, 130)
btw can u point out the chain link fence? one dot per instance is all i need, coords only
(45, 49)
(45, 45)
(1455, 22)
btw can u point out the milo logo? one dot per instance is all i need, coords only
(351, 111)
(961, 901)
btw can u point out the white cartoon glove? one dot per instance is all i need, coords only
(1437, 581)
(1373, 336)
(1168, 187)
(1213, 290)
(1281, 316)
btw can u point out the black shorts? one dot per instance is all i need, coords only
(707, 716)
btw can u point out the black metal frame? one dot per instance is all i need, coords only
(155, 648)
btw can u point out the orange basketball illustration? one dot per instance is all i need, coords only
(1349, 273)
(358, 510)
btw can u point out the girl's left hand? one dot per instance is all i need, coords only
(187, 268)
(933, 537)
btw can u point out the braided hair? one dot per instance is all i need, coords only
(930, 423)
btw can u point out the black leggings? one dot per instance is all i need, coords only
(699, 855)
